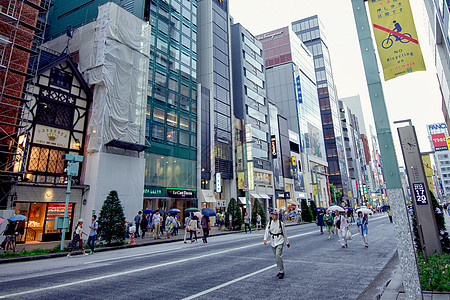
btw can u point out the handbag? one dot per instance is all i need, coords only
(348, 235)
(188, 228)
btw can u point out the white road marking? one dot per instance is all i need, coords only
(134, 255)
(136, 270)
(228, 283)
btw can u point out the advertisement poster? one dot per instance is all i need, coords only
(396, 37)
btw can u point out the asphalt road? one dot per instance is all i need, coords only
(236, 266)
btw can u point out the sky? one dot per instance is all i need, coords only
(415, 96)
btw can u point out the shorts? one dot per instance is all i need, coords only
(258, 223)
(330, 227)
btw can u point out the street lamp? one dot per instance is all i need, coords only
(317, 185)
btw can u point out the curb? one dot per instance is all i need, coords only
(104, 249)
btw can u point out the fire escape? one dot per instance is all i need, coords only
(22, 29)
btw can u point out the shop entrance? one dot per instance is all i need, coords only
(41, 220)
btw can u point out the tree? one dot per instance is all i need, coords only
(313, 207)
(235, 211)
(257, 208)
(336, 195)
(111, 222)
(306, 212)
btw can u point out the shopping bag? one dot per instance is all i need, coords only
(348, 235)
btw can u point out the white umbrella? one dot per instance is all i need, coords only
(364, 210)
(282, 208)
(336, 207)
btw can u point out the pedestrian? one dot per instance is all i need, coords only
(205, 227)
(329, 222)
(319, 221)
(193, 228)
(77, 241)
(144, 224)
(258, 221)
(276, 231)
(137, 222)
(341, 227)
(156, 224)
(390, 215)
(247, 223)
(175, 225)
(10, 237)
(219, 220)
(362, 222)
(169, 226)
(187, 220)
(230, 221)
(93, 233)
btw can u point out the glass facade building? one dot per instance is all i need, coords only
(310, 31)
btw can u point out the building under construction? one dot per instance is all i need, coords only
(22, 29)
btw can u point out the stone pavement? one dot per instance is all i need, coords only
(394, 288)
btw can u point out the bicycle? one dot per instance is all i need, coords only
(389, 41)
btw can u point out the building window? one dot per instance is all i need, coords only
(46, 160)
(172, 119)
(61, 79)
(54, 114)
(171, 135)
(184, 123)
(158, 115)
(158, 131)
(184, 138)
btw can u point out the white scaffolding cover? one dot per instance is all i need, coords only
(114, 57)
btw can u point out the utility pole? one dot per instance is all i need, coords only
(405, 246)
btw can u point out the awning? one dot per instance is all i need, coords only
(264, 196)
(126, 145)
(241, 200)
(255, 195)
(208, 196)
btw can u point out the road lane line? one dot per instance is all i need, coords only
(134, 255)
(136, 270)
(228, 283)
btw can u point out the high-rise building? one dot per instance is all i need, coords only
(214, 74)
(251, 107)
(437, 134)
(439, 40)
(291, 86)
(354, 153)
(310, 30)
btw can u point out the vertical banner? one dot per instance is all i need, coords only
(426, 159)
(241, 179)
(396, 37)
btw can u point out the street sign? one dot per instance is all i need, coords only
(420, 192)
(245, 184)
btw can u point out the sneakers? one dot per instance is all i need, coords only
(86, 254)
(280, 275)
(68, 255)
(329, 237)
(346, 246)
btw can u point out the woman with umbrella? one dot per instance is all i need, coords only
(10, 238)
(205, 227)
(341, 227)
(319, 221)
(193, 227)
(144, 224)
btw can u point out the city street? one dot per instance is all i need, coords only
(236, 266)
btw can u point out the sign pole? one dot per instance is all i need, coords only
(405, 246)
(66, 208)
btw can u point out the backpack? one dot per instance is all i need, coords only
(328, 220)
(281, 228)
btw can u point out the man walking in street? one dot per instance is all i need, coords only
(93, 234)
(156, 224)
(137, 223)
(276, 231)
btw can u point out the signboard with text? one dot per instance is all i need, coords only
(396, 37)
(439, 141)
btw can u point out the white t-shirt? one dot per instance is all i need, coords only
(156, 219)
(79, 230)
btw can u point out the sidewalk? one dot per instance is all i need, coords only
(394, 287)
(148, 240)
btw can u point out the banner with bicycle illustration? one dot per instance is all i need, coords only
(396, 37)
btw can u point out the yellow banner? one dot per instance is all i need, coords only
(314, 190)
(241, 179)
(426, 160)
(448, 142)
(396, 37)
